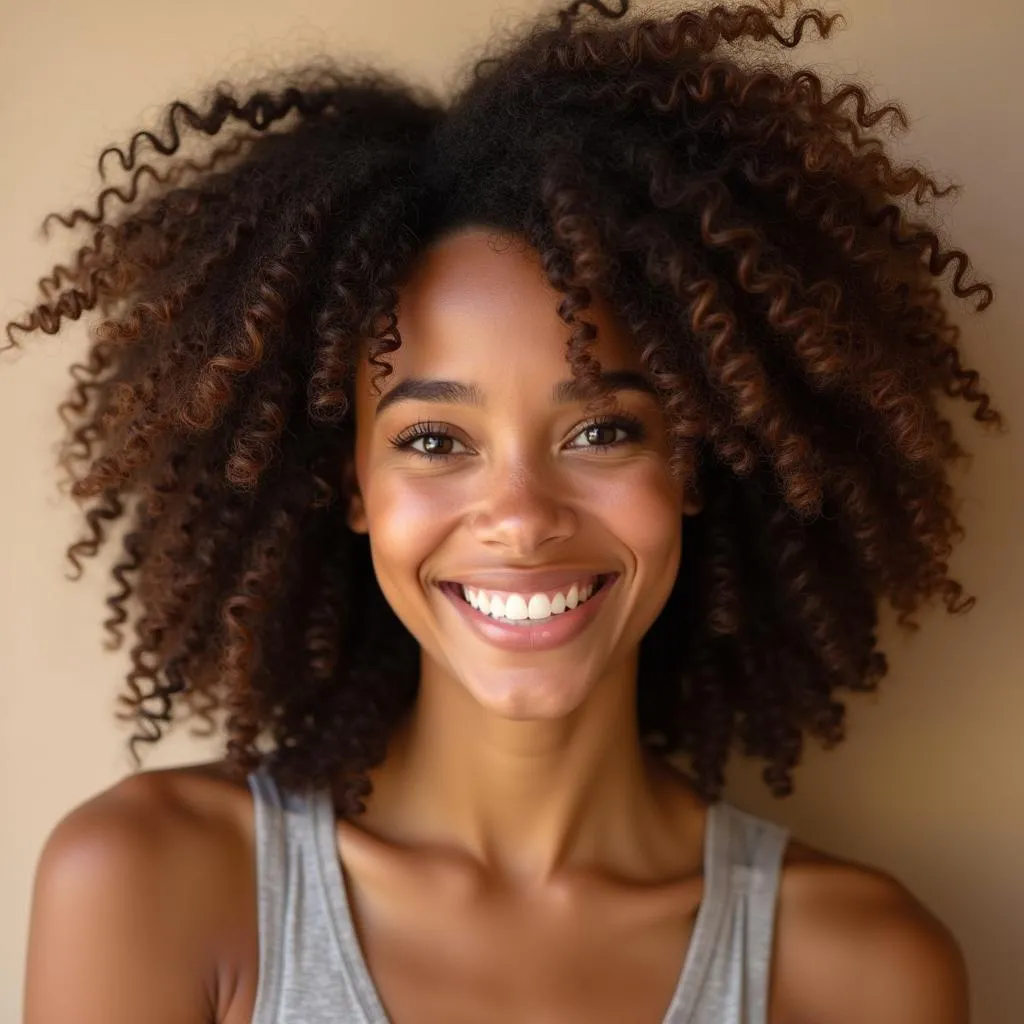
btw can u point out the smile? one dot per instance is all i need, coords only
(522, 608)
(534, 622)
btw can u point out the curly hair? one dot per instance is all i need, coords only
(757, 242)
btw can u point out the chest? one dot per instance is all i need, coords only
(600, 955)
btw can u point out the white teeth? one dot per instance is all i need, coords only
(517, 608)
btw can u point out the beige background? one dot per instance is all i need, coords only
(931, 782)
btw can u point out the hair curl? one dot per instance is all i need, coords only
(753, 237)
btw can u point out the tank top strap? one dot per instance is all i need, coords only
(310, 967)
(739, 976)
(759, 848)
(274, 865)
(302, 975)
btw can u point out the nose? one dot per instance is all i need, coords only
(521, 510)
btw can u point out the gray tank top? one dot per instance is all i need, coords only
(311, 966)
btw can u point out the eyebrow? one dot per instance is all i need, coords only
(425, 389)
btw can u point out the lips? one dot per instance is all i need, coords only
(537, 636)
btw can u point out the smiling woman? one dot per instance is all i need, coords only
(491, 470)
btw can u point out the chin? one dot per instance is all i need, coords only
(529, 695)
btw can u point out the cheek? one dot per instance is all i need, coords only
(407, 519)
(646, 518)
(655, 539)
(644, 510)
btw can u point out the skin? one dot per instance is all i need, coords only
(559, 866)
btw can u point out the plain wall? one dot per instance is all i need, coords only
(929, 784)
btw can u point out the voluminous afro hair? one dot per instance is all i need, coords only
(761, 248)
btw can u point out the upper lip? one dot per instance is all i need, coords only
(526, 581)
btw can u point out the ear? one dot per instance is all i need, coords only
(355, 510)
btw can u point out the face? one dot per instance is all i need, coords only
(504, 480)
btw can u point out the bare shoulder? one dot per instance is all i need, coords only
(145, 888)
(854, 945)
(165, 797)
(178, 819)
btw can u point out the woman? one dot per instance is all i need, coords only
(476, 460)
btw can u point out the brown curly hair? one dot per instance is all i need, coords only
(755, 240)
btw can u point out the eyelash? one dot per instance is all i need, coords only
(634, 428)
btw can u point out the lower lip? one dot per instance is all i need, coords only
(541, 636)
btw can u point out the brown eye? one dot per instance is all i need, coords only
(601, 434)
(428, 440)
(434, 444)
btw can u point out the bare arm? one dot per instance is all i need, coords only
(124, 916)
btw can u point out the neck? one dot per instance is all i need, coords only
(527, 800)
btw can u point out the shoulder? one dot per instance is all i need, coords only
(148, 883)
(854, 946)
(184, 820)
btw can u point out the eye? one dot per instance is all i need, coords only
(434, 436)
(434, 443)
(601, 432)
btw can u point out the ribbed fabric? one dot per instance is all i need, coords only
(312, 970)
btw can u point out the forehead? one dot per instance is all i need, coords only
(478, 308)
